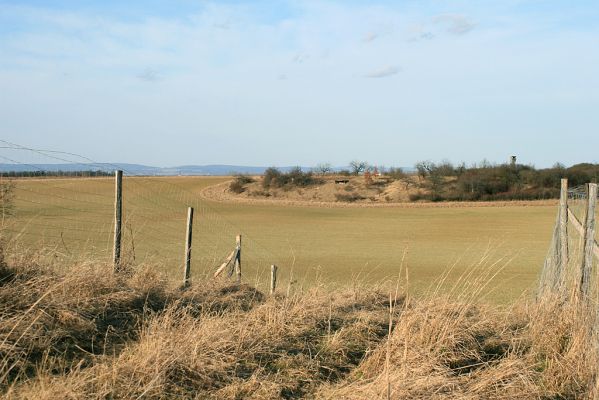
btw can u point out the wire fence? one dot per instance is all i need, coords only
(74, 216)
(571, 264)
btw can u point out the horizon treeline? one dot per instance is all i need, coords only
(445, 181)
(43, 173)
(486, 181)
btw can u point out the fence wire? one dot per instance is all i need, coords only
(75, 216)
(571, 275)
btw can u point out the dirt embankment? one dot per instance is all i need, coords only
(353, 193)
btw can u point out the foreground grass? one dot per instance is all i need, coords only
(310, 245)
(82, 332)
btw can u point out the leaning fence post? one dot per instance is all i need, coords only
(238, 259)
(588, 239)
(118, 218)
(563, 233)
(273, 279)
(188, 235)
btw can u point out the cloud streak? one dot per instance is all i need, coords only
(149, 75)
(384, 72)
(370, 37)
(456, 24)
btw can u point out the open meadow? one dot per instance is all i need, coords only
(72, 218)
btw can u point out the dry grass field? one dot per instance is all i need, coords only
(80, 331)
(73, 217)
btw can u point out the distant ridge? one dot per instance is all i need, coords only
(138, 169)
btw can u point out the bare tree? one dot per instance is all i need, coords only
(424, 168)
(323, 169)
(357, 167)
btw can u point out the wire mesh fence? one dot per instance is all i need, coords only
(570, 268)
(72, 212)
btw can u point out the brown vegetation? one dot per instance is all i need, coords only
(325, 189)
(82, 332)
(432, 182)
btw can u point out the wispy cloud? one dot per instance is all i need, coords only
(456, 24)
(301, 57)
(149, 75)
(384, 72)
(370, 36)
(421, 33)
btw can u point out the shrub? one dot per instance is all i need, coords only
(416, 196)
(244, 179)
(238, 184)
(396, 174)
(262, 193)
(349, 198)
(271, 177)
(294, 178)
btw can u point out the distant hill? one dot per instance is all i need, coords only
(137, 169)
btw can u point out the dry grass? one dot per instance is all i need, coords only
(71, 332)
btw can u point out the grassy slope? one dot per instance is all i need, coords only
(334, 244)
(90, 334)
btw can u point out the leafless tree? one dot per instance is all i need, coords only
(357, 167)
(323, 169)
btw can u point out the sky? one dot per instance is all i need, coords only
(262, 83)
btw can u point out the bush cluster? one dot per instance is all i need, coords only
(349, 197)
(486, 182)
(396, 174)
(238, 184)
(273, 178)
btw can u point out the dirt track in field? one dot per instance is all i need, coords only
(221, 193)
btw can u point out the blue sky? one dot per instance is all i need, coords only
(293, 82)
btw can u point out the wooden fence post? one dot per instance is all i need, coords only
(118, 219)
(273, 279)
(188, 236)
(238, 259)
(588, 239)
(563, 233)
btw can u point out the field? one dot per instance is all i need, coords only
(352, 317)
(73, 217)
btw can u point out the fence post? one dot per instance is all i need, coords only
(273, 279)
(238, 259)
(588, 239)
(118, 218)
(563, 233)
(188, 235)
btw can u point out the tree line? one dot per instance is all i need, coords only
(486, 181)
(42, 173)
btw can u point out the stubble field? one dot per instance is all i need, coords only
(72, 218)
